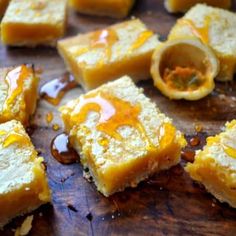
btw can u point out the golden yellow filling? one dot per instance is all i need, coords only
(26, 191)
(14, 32)
(184, 5)
(118, 8)
(27, 197)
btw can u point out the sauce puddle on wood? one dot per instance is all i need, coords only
(188, 155)
(54, 90)
(195, 141)
(62, 151)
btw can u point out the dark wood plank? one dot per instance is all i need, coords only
(169, 203)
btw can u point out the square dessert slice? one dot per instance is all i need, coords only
(3, 6)
(121, 136)
(116, 9)
(215, 165)
(18, 93)
(216, 28)
(184, 5)
(30, 23)
(97, 57)
(23, 180)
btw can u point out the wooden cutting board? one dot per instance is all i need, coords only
(169, 203)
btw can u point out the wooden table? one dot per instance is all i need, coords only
(169, 203)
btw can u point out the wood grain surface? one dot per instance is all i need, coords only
(169, 203)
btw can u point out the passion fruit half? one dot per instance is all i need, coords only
(184, 69)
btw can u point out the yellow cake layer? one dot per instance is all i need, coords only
(121, 136)
(215, 27)
(215, 165)
(18, 93)
(30, 23)
(116, 9)
(97, 57)
(184, 5)
(23, 182)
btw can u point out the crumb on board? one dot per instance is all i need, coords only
(26, 226)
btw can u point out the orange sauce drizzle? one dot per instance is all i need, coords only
(227, 144)
(230, 151)
(142, 38)
(55, 127)
(15, 80)
(14, 137)
(200, 32)
(49, 117)
(104, 39)
(54, 90)
(107, 38)
(114, 113)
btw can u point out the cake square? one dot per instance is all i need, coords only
(3, 6)
(184, 5)
(18, 93)
(215, 165)
(111, 8)
(121, 136)
(30, 23)
(216, 28)
(23, 180)
(97, 57)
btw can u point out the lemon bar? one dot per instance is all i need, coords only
(23, 180)
(3, 6)
(184, 5)
(215, 165)
(122, 49)
(29, 23)
(121, 135)
(18, 93)
(215, 27)
(111, 8)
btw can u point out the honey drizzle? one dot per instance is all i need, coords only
(107, 38)
(15, 80)
(142, 38)
(14, 137)
(54, 90)
(49, 117)
(200, 32)
(104, 39)
(62, 151)
(230, 151)
(227, 142)
(114, 113)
